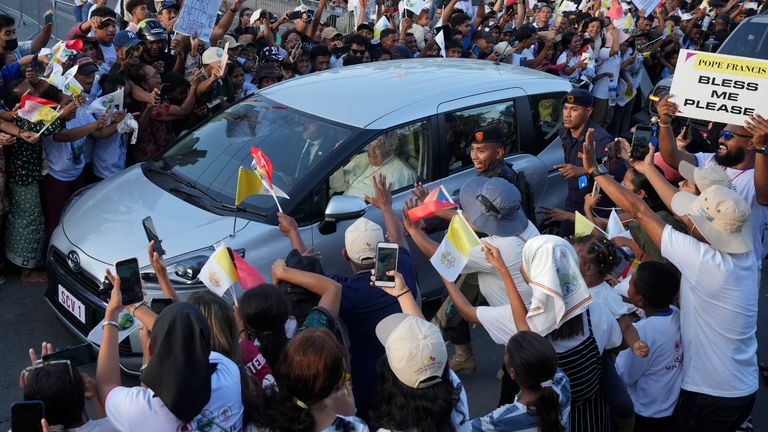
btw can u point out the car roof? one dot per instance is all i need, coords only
(359, 95)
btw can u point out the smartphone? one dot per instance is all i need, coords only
(159, 304)
(151, 232)
(26, 416)
(595, 190)
(583, 182)
(294, 15)
(130, 280)
(79, 355)
(475, 50)
(48, 18)
(524, 62)
(386, 260)
(35, 64)
(640, 141)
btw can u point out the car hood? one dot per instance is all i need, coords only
(105, 222)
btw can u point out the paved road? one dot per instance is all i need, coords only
(26, 320)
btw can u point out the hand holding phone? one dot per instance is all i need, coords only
(130, 281)
(386, 261)
(151, 232)
(640, 141)
(79, 355)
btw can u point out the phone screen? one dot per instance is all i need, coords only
(26, 416)
(640, 141)
(475, 50)
(79, 355)
(130, 280)
(386, 260)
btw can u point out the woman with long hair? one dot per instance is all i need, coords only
(315, 393)
(265, 310)
(544, 400)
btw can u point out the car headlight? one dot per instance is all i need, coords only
(183, 270)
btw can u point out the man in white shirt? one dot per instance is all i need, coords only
(741, 155)
(718, 292)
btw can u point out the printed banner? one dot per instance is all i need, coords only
(197, 17)
(720, 88)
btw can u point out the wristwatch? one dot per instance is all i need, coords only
(600, 170)
(762, 150)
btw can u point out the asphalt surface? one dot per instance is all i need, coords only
(26, 320)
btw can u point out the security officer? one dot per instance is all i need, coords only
(577, 108)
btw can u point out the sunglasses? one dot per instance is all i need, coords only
(488, 205)
(728, 135)
(357, 52)
(43, 364)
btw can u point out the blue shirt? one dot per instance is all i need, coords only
(362, 307)
(572, 149)
(516, 417)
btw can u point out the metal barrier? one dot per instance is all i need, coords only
(63, 18)
(342, 19)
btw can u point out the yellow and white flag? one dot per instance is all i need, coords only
(219, 273)
(583, 226)
(453, 253)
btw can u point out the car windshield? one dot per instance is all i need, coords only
(294, 141)
(750, 39)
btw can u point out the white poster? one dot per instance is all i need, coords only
(720, 88)
(647, 6)
(197, 17)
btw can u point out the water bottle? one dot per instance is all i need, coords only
(612, 93)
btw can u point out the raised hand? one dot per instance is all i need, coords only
(493, 256)
(382, 193)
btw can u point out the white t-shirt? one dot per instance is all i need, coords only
(718, 304)
(610, 64)
(574, 59)
(610, 298)
(66, 160)
(744, 184)
(491, 284)
(100, 425)
(137, 408)
(109, 154)
(500, 325)
(654, 382)
(110, 54)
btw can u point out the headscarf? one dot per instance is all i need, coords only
(179, 371)
(559, 290)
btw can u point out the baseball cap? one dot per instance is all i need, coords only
(482, 34)
(365, 26)
(361, 239)
(508, 28)
(85, 65)
(721, 215)
(401, 52)
(151, 29)
(212, 55)
(267, 70)
(724, 17)
(270, 53)
(493, 206)
(125, 38)
(579, 97)
(232, 42)
(704, 177)
(329, 33)
(415, 349)
(169, 4)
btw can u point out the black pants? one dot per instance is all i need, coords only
(704, 413)
(661, 424)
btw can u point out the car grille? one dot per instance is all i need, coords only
(87, 282)
(82, 278)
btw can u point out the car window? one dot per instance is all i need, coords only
(750, 39)
(547, 116)
(297, 144)
(459, 126)
(400, 154)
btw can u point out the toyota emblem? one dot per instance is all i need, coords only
(73, 259)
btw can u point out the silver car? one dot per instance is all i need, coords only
(325, 135)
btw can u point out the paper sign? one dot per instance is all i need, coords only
(224, 58)
(720, 88)
(197, 17)
(647, 6)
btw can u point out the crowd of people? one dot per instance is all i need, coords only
(650, 330)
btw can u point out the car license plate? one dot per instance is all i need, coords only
(72, 304)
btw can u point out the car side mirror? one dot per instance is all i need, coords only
(341, 207)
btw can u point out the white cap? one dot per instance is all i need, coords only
(721, 215)
(415, 349)
(705, 177)
(212, 55)
(361, 239)
(233, 43)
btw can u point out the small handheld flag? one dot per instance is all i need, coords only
(219, 273)
(35, 109)
(438, 199)
(453, 253)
